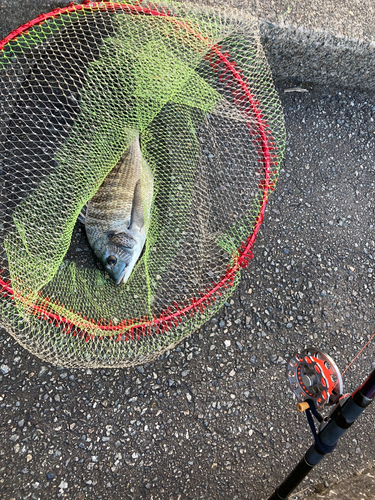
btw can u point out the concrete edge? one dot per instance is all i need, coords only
(359, 485)
(296, 54)
(318, 57)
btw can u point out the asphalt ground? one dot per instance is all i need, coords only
(214, 418)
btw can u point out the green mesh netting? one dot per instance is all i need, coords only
(75, 89)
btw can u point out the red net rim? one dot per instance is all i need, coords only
(135, 329)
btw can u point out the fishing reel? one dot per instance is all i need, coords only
(314, 376)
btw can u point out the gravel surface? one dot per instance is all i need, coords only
(361, 486)
(214, 417)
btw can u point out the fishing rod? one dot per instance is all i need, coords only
(316, 382)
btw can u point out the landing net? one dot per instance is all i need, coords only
(195, 84)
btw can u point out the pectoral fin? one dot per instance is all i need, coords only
(82, 215)
(137, 217)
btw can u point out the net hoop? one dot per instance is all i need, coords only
(264, 141)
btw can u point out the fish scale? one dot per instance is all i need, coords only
(111, 206)
(115, 215)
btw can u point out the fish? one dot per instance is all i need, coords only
(116, 217)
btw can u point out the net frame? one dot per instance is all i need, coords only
(175, 313)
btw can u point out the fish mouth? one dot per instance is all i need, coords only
(120, 279)
(121, 276)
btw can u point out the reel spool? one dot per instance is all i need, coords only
(314, 375)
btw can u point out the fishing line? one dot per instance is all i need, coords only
(357, 355)
(316, 382)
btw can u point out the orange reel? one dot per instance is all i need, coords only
(314, 375)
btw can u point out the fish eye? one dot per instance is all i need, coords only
(111, 260)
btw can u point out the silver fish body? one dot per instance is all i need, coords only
(117, 216)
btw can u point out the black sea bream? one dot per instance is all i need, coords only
(117, 216)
